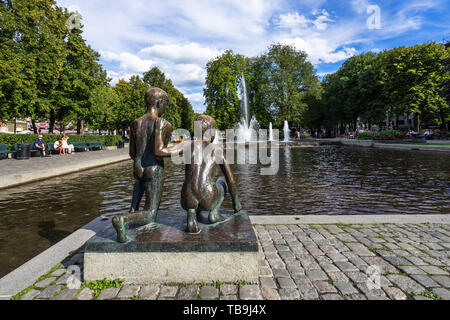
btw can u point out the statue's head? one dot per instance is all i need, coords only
(156, 99)
(208, 125)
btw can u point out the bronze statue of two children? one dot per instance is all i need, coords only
(202, 191)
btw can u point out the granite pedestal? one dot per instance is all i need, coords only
(163, 252)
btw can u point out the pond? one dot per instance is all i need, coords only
(321, 180)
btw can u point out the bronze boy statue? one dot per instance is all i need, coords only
(201, 191)
(149, 138)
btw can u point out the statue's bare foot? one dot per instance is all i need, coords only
(192, 226)
(119, 225)
(215, 217)
(148, 227)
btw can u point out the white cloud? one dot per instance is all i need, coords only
(320, 50)
(195, 98)
(128, 62)
(188, 53)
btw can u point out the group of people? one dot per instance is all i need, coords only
(61, 145)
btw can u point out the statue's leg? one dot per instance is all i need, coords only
(214, 215)
(153, 190)
(192, 225)
(138, 192)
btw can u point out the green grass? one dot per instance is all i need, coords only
(241, 282)
(43, 277)
(217, 284)
(428, 294)
(99, 285)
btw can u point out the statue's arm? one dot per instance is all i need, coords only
(229, 178)
(164, 129)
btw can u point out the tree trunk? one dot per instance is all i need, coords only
(33, 122)
(418, 123)
(51, 125)
(80, 126)
(15, 125)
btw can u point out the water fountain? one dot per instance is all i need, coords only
(270, 132)
(248, 127)
(287, 132)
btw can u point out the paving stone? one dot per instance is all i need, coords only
(149, 292)
(329, 268)
(360, 249)
(316, 275)
(345, 287)
(395, 293)
(443, 280)
(425, 280)
(268, 282)
(189, 292)
(337, 276)
(66, 294)
(270, 294)
(406, 284)
(442, 292)
(416, 261)
(434, 270)
(380, 262)
(59, 272)
(250, 292)
(49, 292)
(337, 257)
(129, 291)
(279, 273)
(31, 294)
(372, 293)
(324, 287)
(63, 279)
(231, 289)
(209, 293)
(286, 283)
(265, 271)
(397, 261)
(108, 294)
(331, 296)
(289, 294)
(357, 277)
(309, 294)
(168, 291)
(44, 283)
(411, 270)
(229, 297)
(346, 266)
(421, 298)
(356, 296)
(295, 268)
(85, 294)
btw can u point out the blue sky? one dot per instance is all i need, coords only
(181, 36)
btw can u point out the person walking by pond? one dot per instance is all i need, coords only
(40, 145)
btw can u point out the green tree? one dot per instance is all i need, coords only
(221, 93)
(284, 78)
(130, 102)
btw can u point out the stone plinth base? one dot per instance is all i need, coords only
(164, 253)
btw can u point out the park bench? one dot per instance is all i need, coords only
(80, 146)
(95, 145)
(4, 151)
(51, 148)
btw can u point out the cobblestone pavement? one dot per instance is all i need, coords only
(305, 262)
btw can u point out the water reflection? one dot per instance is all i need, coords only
(325, 180)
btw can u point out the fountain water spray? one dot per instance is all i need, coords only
(270, 132)
(287, 132)
(247, 128)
